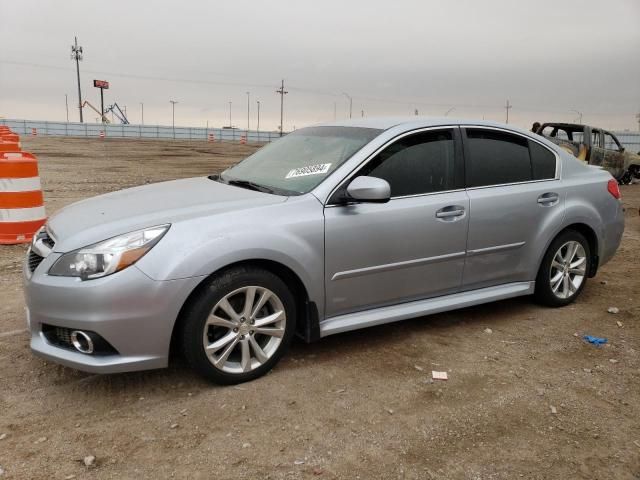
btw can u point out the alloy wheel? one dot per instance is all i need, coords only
(244, 329)
(568, 269)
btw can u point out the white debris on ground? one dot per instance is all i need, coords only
(439, 375)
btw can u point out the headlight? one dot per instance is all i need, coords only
(104, 258)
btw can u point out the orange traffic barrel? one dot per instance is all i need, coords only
(21, 201)
(9, 146)
(9, 137)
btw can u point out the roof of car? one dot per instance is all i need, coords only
(385, 123)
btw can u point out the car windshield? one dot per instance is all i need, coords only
(298, 162)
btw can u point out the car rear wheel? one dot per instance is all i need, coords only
(239, 325)
(564, 270)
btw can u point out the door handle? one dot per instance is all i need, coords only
(548, 199)
(450, 212)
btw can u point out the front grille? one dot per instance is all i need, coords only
(33, 260)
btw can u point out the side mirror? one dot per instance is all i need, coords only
(369, 189)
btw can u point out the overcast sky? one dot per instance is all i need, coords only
(547, 57)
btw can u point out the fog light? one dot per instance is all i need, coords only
(81, 341)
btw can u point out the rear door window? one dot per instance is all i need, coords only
(495, 157)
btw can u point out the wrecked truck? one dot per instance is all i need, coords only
(594, 146)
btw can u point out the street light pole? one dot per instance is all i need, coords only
(248, 110)
(173, 117)
(258, 126)
(230, 124)
(66, 105)
(142, 112)
(449, 111)
(350, 103)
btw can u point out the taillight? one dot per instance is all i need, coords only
(612, 187)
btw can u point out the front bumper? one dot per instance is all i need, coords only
(132, 312)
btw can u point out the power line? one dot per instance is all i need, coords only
(460, 106)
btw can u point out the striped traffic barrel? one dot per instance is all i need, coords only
(9, 146)
(9, 137)
(21, 201)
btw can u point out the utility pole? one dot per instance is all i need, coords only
(282, 93)
(507, 108)
(362, 113)
(350, 103)
(258, 127)
(76, 54)
(415, 112)
(638, 117)
(248, 110)
(335, 108)
(579, 115)
(142, 112)
(230, 124)
(66, 105)
(173, 117)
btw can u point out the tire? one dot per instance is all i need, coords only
(557, 286)
(240, 343)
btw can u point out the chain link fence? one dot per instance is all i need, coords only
(629, 140)
(74, 129)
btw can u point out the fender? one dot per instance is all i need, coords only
(294, 239)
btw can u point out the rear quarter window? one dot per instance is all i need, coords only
(543, 162)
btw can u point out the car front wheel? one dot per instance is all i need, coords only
(564, 269)
(239, 325)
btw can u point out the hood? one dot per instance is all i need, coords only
(105, 216)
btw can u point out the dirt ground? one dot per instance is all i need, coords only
(356, 405)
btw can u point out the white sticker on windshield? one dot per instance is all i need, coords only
(310, 170)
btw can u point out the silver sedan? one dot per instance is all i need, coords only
(332, 228)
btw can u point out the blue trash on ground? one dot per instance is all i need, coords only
(595, 340)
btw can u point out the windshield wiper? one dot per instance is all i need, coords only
(250, 185)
